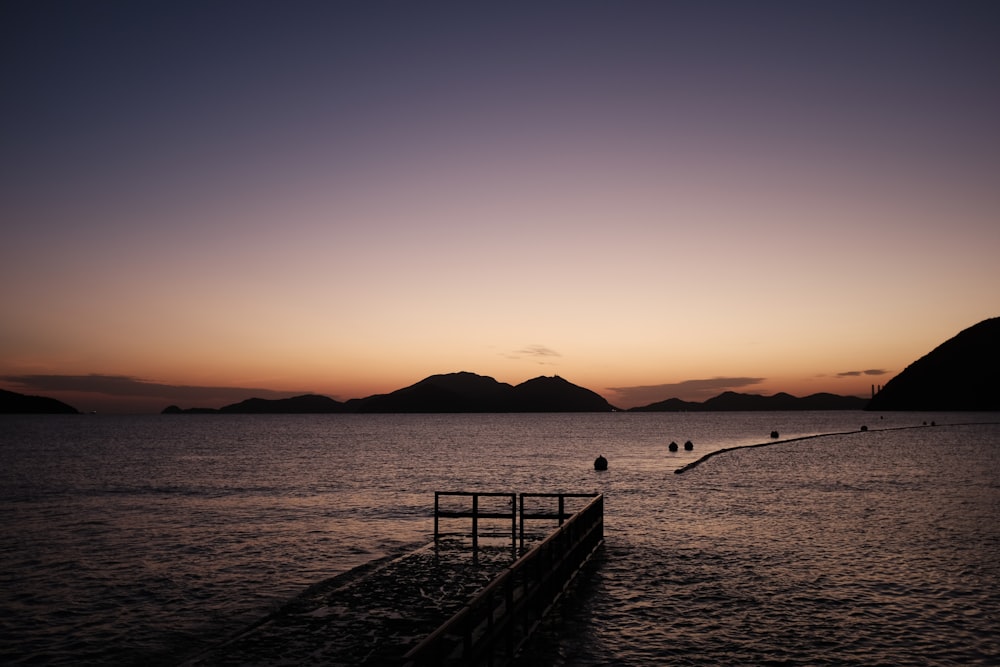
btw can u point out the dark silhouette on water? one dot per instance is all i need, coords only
(959, 374)
(672, 446)
(448, 393)
(466, 392)
(600, 463)
(733, 401)
(688, 446)
(12, 403)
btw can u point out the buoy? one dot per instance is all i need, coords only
(864, 428)
(774, 434)
(688, 446)
(672, 446)
(600, 463)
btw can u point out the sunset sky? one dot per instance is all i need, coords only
(206, 201)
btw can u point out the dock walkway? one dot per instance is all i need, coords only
(368, 616)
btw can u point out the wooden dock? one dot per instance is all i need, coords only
(444, 604)
(497, 621)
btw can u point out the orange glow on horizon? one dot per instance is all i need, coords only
(348, 216)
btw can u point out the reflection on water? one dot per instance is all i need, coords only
(128, 538)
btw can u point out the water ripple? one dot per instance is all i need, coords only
(135, 540)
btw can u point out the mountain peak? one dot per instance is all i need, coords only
(554, 394)
(469, 392)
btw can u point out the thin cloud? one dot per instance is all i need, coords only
(870, 371)
(689, 390)
(126, 386)
(538, 351)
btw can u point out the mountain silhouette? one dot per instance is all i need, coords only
(451, 392)
(731, 401)
(446, 393)
(306, 404)
(466, 392)
(670, 405)
(469, 392)
(12, 402)
(963, 373)
(554, 394)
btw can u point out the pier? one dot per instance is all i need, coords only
(471, 597)
(495, 623)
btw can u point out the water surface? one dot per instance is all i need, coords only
(140, 539)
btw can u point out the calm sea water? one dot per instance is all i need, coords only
(143, 539)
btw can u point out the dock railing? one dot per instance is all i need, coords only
(493, 625)
(506, 511)
(560, 515)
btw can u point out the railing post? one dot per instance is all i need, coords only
(437, 495)
(513, 525)
(562, 505)
(490, 625)
(467, 636)
(522, 523)
(475, 524)
(508, 599)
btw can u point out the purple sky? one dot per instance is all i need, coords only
(345, 197)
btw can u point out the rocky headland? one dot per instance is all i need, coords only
(963, 373)
(12, 403)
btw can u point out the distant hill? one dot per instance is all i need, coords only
(963, 373)
(469, 392)
(466, 392)
(733, 401)
(175, 410)
(451, 392)
(306, 404)
(670, 405)
(12, 402)
(447, 393)
(554, 394)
